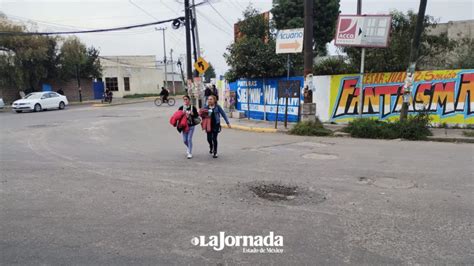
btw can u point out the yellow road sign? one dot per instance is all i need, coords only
(201, 65)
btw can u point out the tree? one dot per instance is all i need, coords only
(25, 61)
(253, 54)
(78, 61)
(463, 57)
(432, 52)
(290, 14)
(333, 66)
(210, 73)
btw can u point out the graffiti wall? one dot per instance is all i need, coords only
(447, 94)
(258, 98)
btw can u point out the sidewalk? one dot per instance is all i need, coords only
(121, 101)
(258, 125)
(450, 135)
(439, 134)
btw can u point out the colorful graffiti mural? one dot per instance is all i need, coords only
(258, 99)
(447, 94)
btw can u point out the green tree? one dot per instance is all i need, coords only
(432, 52)
(333, 66)
(25, 61)
(78, 61)
(210, 73)
(253, 55)
(290, 14)
(463, 57)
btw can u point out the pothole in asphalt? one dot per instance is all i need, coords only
(311, 144)
(365, 180)
(386, 182)
(274, 192)
(285, 193)
(43, 125)
(320, 156)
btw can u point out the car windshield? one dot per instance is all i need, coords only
(34, 96)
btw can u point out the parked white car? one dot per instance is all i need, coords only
(38, 101)
(2, 104)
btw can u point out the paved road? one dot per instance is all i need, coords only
(112, 186)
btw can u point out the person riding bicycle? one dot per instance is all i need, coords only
(164, 94)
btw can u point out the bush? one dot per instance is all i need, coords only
(333, 66)
(414, 128)
(468, 133)
(310, 128)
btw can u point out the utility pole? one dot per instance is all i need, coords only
(189, 72)
(308, 37)
(415, 44)
(172, 71)
(307, 110)
(164, 52)
(79, 83)
(362, 68)
(197, 51)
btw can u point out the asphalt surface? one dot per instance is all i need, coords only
(111, 185)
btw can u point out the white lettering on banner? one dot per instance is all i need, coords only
(253, 96)
(247, 83)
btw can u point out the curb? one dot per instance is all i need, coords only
(115, 104)
(82, 103)
(454, 140)
(253, 129)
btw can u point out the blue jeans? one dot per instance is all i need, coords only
(188, 139)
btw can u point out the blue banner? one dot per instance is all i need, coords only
(260, 96)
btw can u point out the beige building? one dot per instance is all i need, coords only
(455, 30)
(128, 75)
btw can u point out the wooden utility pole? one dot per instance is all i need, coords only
(307, 109)
(308, 37)
(362, 68)
(189, 71)
(415, 45)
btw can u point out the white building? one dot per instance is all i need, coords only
(128, 75)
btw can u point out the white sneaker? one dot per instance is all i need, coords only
(190, 155)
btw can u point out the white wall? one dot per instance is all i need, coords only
(321, 96)
(144, 76)
(142, 80)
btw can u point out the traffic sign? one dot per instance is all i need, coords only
(201, 65)
(363, 31)
(290, 41)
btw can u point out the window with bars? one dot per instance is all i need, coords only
(126, 83)
(111, 84)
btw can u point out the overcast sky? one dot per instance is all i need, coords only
(215, 28)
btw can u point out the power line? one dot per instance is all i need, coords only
(213, 24)
(237, 4)
(90, 31)
(64, 26)
(220, 15)
(152, 16)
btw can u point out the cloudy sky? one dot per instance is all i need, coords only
(214, 21)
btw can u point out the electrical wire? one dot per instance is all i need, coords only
(176, 39)
(214, 24)
(220, 15)
(64, 26)
(90, 31)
